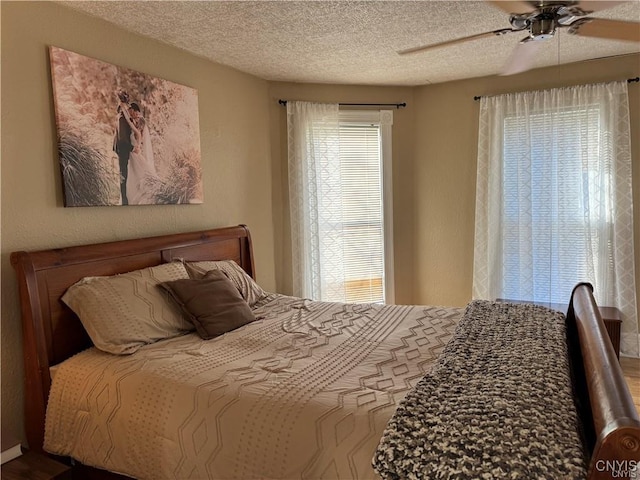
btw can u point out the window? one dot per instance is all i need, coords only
(554, 201)
(363, 215)
(549, 185)
(340, 201)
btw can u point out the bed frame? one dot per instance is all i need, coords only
(52, 333)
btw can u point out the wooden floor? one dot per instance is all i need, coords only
(631, 370)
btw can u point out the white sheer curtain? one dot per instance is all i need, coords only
(316, 210)
(553, 199)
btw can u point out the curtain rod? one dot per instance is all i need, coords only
(397, 105)
(629, 80)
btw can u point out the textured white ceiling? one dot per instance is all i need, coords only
(348, 42)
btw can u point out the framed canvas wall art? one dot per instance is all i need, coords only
(124, 137)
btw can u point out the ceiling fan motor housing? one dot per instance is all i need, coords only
(543, 26)
(541, 23)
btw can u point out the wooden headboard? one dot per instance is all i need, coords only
(53, 333)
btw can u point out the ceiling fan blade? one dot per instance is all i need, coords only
(522, 57)
(459, 40)
(595, 6)
(605, 28)
(513, 6)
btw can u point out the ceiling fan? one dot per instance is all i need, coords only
(541, 20)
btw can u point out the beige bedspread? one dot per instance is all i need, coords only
(305, 392)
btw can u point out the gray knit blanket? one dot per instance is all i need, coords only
(497, 404)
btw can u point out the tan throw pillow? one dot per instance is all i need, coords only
(248, 288)
(212, 303)
(123, 312)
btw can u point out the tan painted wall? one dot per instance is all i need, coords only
(234, 132)
(403, 195)
(446, 133)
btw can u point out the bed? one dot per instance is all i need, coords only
(364, 360)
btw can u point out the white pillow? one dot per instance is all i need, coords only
(121, 313)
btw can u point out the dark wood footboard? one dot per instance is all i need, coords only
(611, 422)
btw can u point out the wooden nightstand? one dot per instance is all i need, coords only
(34, 466)
(611, 318)
(612, 321)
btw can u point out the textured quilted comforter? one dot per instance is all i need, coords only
(497, 404)
(305, 392)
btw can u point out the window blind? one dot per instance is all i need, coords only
(552, 170)
(362, 212)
